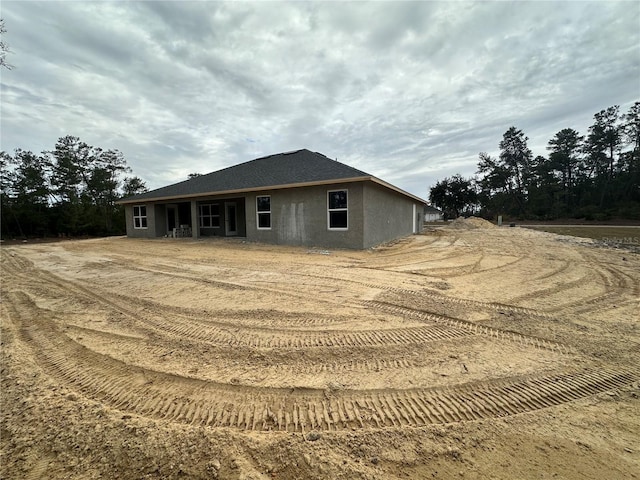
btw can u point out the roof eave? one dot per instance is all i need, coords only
(396, 189)
(245, 190)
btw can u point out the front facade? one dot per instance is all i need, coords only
(432, 214)
(346, 209)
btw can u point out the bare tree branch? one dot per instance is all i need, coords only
(4, 48)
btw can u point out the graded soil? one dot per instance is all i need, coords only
(463, 352)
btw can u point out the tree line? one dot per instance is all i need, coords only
(68, 191)
(595, 177)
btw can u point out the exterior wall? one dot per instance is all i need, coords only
(152, 226)
(220, 231)
(159, 219)
(156, 219)
(388, 215)
(299, 217)
(432, 217)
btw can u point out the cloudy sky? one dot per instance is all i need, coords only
(409, 92)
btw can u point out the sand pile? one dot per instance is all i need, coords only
(470, 223)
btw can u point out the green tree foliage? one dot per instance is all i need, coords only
(515, 158)
(133, 186)
(564, 157)
(70, 190)
(545, 191)
(454, 195)
(506, 179)
(596, 177)
(30, 192)
(629, 162)
(602, 144)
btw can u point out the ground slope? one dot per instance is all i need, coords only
(469, 352)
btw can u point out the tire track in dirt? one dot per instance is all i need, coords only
(292, 291)
(231, 335)
(303, 338)
(442, 328)
(475, 304)
(556, 271)
(554, 290)
(525, 340)
(319, 319)
(185, 400)
(173, 271)
(411, 263)
(296, 366)
(410, 248)
(452, 272)
(620, 289)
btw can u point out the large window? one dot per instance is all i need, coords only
(210, 215)
(337, 211)
(263, 212)
(140, 216)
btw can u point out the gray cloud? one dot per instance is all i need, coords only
(408, 91)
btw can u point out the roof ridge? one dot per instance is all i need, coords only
(294, 167)
(289, 152)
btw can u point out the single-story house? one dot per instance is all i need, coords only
(432, 214)
(292, 198)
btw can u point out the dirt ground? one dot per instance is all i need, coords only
(464, 352)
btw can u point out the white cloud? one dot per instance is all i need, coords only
(408, 91)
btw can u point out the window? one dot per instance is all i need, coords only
(140, 216)
(337, 211)
(210, 215)
(263, 212)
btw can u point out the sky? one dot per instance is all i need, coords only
(409, 92)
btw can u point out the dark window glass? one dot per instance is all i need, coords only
(144, 222)
(338, 219)
(264, 204)
(337, 199)
(264, 220)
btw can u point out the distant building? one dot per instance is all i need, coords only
(292, 198)
(432, 214)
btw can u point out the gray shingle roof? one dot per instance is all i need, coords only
(431, 209)
(297, 167)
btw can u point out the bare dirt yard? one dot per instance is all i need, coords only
(465, 352)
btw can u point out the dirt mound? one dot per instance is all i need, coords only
(471, 223)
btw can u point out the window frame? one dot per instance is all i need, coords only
(140, 221)
(263, 212)
(210, 215)
(332, 210)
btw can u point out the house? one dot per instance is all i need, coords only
(292, 198)
(432, 214)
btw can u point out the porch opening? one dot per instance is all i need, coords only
(178, 219)
(222, 217)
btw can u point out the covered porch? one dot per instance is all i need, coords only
(202, 218)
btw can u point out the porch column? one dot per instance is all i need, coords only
(195, 221)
